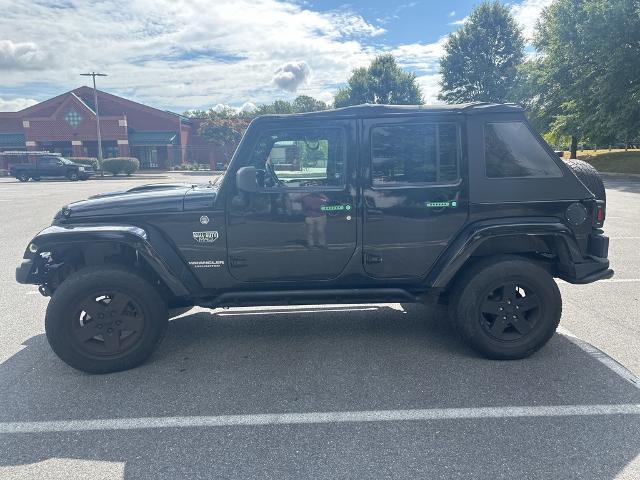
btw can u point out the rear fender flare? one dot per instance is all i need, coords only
(472, 237)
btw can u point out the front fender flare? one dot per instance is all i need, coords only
(150, 244)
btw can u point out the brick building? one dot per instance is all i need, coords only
(67, 124)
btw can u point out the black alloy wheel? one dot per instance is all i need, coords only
(510, 311)
(108, 324)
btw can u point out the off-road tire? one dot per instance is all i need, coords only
(65, 305)
(73, 176)
(478, 282)
(23, 177)
(589, 176)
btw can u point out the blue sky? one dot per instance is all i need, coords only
(182, 54)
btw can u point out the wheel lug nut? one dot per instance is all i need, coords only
(515, 316)
(500, 309)
(504, 318)
(109, 330)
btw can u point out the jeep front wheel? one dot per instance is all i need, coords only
(73, 176)
(506, 308)
(23, 177)
(105, 319)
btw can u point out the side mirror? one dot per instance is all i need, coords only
(246, 179)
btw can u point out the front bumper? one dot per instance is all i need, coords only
(23, 271)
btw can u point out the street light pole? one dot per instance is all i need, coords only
(95, 102)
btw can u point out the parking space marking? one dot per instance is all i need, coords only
(602, 357)
(479, 413)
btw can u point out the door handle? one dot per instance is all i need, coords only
(370, 258)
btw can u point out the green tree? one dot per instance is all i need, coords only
(224, 131)
(481, 58)
(305, 103)
(382, 82)
(585, 83)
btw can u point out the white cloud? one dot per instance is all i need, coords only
(183, 54)
(247, 107)
(292, 75)
(420, 57)
(527, 13)
(21, 56)
(15, 104)
(430, 85)
(460, 22)
(452, 13)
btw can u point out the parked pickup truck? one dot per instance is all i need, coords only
(51, 166)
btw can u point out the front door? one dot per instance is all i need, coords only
(415, 194)
(301, 224)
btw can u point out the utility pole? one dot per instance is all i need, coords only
(95, 102)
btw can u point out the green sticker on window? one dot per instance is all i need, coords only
(452, 204)
(335, 208)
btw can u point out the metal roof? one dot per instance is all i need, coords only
(370, 110)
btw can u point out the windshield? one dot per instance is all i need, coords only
(65, 161)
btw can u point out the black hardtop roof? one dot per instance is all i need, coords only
(374, 110)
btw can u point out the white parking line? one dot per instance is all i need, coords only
(602, 357)
(318, 418)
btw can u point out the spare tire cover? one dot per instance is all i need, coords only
(589, 176)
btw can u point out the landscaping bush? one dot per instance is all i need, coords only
(116, 165)
(90, 161)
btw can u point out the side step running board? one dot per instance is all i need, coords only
(309, 297)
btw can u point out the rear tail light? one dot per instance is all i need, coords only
(600, 213)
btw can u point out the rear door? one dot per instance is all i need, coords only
(415, 193)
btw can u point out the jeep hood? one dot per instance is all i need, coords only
(144, 200)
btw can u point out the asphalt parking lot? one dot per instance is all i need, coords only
(325, 391)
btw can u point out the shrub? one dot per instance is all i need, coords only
(116, 165)
(91, 161)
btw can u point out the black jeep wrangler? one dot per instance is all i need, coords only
(464, 204)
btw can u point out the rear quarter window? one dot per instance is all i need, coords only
(512, 151)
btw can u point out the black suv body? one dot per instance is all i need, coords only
(51, 166)
(463, 204)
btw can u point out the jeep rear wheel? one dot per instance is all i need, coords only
(105, 319)
(506, 307)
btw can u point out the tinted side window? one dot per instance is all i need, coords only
(511, 150)
(420, 153)
(48, 161)
(300, 158)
